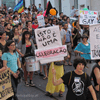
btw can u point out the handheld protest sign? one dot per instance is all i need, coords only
(88, 17)
(49, 45)
(41, 21)
(48, 37)
(95, 41)
(6, 90)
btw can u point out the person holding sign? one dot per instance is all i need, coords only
(10, 59)
(50, 88)
(77, 81)
(1, 63)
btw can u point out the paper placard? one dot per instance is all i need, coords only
(41, 21)
(88, 17)
(6, 90)
(95, 41)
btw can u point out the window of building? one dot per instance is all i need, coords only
(9, 3)
(60, 7)
(45, 4)
(76, 4)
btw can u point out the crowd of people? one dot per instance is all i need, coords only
(17, 41)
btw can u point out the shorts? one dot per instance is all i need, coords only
(69, 47)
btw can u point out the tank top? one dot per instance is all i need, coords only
(93, 75)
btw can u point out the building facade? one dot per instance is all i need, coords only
(64, 6)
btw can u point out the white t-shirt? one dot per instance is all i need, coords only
(62, 33)
(69, 27)
(72, 12)
(16, 21)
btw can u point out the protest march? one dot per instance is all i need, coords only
(36, 42)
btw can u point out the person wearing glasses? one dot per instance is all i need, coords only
(11, 60)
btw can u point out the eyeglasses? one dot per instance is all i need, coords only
(12, 45)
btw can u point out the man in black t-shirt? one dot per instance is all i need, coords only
(9, 34)
(77, 81)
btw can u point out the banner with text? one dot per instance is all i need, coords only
(60, 51)
(49, 45)
(41, 21)
(88, 17)
(95, 41)
(48, 37)
(6, 90)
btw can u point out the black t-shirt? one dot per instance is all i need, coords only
(1, 63)
(77, 87)
(10, 34)
(2, 47)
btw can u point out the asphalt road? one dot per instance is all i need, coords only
(38, 92)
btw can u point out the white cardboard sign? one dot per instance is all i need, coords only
(41, 21)
(49, 44)
(95, 41)
(88, 17)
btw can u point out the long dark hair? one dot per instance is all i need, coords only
(1, 33)
(9, 42)
(23, 36)
(75, 23)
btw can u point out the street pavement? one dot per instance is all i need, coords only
(38, 92)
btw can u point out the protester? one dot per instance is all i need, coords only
(73, 12)
(40, 9)
(10, 55)
(20, 26)
(50, 88)
(1, 63)
(16, 37)
(83, 48)
(69, 43)
(2, 22)
(76, 33)
(2, 40)
(99, 19)
(77, 81)
(15, 19)
(9, 34)
(69, 25)
(35, 25)
(60, 14)
(96, 78)
(27, 49)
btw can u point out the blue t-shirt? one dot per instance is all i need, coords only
(11, 60)
(40, 9)
(85, 49)
(68, 36)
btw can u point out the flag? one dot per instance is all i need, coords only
(19, 7)
(49, 6)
